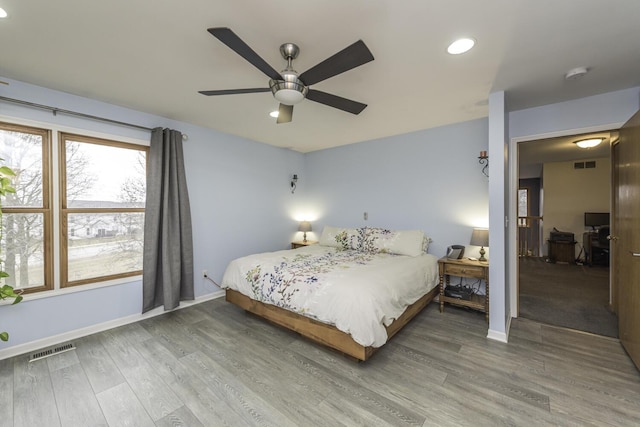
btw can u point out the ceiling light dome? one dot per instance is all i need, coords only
(461, 46)
(289, 91)
(588, 143)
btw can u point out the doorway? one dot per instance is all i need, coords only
(563, 271)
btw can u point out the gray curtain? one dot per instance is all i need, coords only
(168, 245)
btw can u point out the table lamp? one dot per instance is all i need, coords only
(480, 237)
(304, 227)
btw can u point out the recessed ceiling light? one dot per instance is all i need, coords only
(461, 46)
(588, 143)
(274, 114)
(3, 13)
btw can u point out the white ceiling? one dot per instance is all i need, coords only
(532, 155)
(155, 56)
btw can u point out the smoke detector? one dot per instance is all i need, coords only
(576, 73)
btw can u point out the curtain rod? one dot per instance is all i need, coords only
(56, 110)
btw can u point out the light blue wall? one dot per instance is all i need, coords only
(429, 180)
(240, 197)
(604, 109)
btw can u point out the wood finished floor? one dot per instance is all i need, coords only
(213, 365)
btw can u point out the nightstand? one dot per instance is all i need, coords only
(464, 268)
(299, 244)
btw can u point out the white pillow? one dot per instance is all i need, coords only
(401, 242)
(343, 238)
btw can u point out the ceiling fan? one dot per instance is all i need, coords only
(288, 86)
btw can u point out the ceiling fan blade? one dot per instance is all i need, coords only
(285, 113)
(233, 91)
(228, 37)
(336, 101)
(350, 57)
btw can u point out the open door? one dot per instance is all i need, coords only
(626, 236)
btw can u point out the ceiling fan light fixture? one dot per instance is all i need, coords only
(289, 87)
(288, 96)
(288, 92)
(588, 143)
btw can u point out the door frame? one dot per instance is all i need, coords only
(512, 223)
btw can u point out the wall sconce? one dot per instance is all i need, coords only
(483, 159)
(304, 227)
(294, 181)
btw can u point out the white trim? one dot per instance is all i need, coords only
(54, 127)
(513, 192)
(89, 330)
(497, 335)
(73, 289)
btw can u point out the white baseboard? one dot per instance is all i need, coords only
(497, 336)
(83, 332)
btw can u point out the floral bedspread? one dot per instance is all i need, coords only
(358, 292)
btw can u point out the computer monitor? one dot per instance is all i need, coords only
(596, 219)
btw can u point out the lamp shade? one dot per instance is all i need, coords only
(304, 226)
(480, 237)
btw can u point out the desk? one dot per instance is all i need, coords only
(594, 251)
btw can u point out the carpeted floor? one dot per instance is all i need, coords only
(572, 296)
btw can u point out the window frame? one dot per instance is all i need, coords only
(64, 210)
(526, 190)
(524, 220)
(45, 209)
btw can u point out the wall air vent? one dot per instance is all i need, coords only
(585, 165)
(51, 352)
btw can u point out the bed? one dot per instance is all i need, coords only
(352, 292)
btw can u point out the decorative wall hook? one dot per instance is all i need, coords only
(483, 159)
(294, 181)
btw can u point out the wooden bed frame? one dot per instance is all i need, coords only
(323, 333)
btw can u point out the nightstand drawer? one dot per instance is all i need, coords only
(464, 270)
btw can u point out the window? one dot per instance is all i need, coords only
(523, 207)
(27, 220)
(523, 202)
(100, 193)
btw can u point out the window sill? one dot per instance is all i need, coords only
(74, 289)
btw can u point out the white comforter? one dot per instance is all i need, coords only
(358, 292)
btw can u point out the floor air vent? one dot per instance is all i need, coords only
(51, 352)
